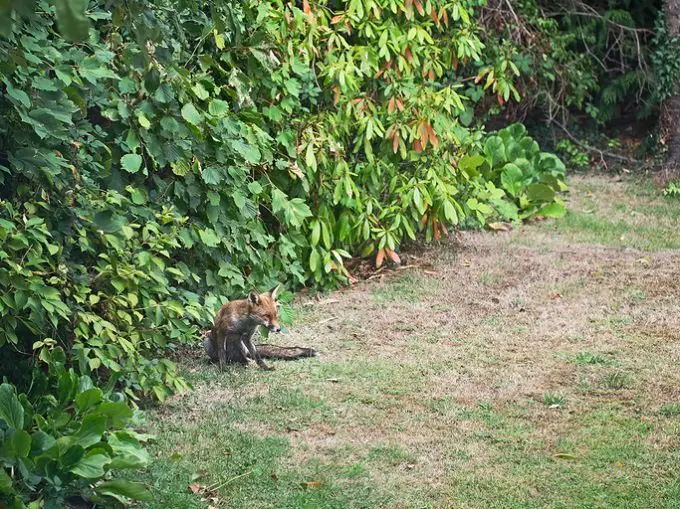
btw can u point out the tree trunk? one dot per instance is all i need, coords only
(670, 114)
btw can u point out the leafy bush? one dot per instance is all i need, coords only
(672, 189)
(184, 155)
(533, 179)
(66, 443)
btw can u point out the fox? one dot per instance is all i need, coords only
(235, 325)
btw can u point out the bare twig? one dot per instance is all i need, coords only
(590, 148)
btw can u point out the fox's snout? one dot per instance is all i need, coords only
(274, 328)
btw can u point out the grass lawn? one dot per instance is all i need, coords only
(533, 369)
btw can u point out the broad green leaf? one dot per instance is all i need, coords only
(131, 162)
(248, 151)
(314, 260)
(556, 210)
(11, 411)
(5, 483)
(211, 175)
(494, 149)
(127, 451)
(512, 179)
(91, 430)
(41, 442)
(218, 107)
(91, 466)
(73, 22)
(540, 192)
(16, 445)
(117, 413)
(89, 398)
(191, 114)
(122, 490)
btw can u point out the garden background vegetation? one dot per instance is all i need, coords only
(160, 157)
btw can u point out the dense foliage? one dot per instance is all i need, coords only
(158, 157)
(610, 62)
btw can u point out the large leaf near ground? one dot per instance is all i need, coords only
(91, 466)
(540, 192)
(122, 490)
(512, 179)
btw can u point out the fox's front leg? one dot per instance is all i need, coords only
(221, 347)
(248, 342)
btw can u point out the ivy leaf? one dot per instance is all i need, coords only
(131, 162)
(73, 22)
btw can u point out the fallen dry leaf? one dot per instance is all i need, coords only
(194, 488)
(431, 272)
(500, 227)
(311, 484)
(556, 295)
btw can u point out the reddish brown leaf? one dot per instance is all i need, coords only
(444, 230)
(379, 258)
(390, 105)
(445, 17)
(417, 146)
(431, 75)
(336, 19)
(419, 7)
(424, 134)
(311, 484)
(435, 18)
(454, 62)
(433, 136)
(407, 54)
(500, 99)
(437, 233)
(400, 105)
(336, 94)
(423, 221)
(395, 143)
(408, 4)
(393, 256)
(305, 7)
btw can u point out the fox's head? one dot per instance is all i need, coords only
(263, 309)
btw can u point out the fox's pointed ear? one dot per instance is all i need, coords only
(274, 291)
(253, 298)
